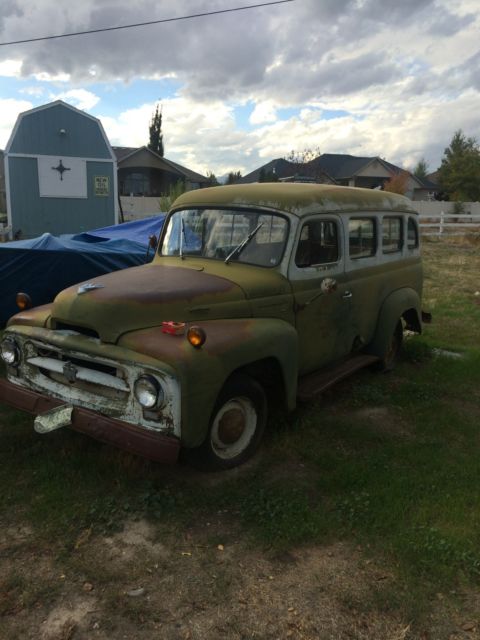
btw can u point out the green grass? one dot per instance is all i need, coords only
(388, 462)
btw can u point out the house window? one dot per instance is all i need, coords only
(392, 239)
(318, 243)
(137, 184)
(412, 234)
(362, 241)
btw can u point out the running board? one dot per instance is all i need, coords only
(314, 383)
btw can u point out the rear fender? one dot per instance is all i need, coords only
(403, 303)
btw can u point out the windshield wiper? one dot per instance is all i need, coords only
(238, 250)
(183, 237)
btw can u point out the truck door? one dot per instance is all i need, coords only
(321, 293)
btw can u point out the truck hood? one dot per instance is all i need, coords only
(145, 296)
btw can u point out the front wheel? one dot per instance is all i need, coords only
(236, 427)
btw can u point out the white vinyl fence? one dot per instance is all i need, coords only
(439, 219)
(449, 224)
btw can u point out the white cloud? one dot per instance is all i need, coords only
(197, 135)
(263, 112)
(35, 92)
(205, 137)
(45, 76)
(10, 68)
(10, 110)
(80, 98)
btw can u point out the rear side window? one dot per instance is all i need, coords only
(412, 234)
(318, 243)
(392, 236)
(362, 241)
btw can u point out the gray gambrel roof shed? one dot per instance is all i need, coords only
(61, 174)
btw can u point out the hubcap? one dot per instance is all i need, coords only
(233, 427)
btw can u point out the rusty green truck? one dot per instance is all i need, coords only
(257, 294)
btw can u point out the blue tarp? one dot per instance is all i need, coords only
(44, 266)
(139, 230)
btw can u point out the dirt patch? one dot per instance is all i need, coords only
(64, 620)
(205, 583)
(137, 538)
(381, 420)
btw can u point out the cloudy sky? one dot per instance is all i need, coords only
(393, 78)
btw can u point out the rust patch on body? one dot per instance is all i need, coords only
(152, 284)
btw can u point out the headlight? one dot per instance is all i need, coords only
(9, 351)
(148, 392)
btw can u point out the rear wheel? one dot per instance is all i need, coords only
(236, 427)
(393, 348)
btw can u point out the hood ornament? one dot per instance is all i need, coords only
(88, 286)
(70, 371)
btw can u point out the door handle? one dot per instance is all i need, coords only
(347, 294)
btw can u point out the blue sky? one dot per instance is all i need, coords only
(365, 77)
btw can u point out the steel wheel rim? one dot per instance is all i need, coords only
(233, 428)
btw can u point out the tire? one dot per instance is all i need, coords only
(236, 426)
(393, 349)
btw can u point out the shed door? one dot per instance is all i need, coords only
(322, 297)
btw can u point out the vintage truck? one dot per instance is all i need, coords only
(258, 294)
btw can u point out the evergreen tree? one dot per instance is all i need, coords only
(233, 177)
(459, 173)
(156, 136)
(212, 179)
(421, 169)
(267, 176)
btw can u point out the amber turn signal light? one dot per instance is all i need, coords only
(196, 336)
(23, 301)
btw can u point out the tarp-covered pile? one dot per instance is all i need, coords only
(44, 266)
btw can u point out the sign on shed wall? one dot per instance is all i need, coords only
(63, 177)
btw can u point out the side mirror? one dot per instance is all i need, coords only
(152, 241)
(152, 244)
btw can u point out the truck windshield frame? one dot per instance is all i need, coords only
(215, 233)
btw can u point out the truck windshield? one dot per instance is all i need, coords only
(216, 233)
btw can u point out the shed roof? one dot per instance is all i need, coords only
(37, 130)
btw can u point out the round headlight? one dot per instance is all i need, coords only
(148, 392)
(9, 351)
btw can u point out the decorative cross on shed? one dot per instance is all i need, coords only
(61, 169)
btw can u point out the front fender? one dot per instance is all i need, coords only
(230, 345)
(397, 304)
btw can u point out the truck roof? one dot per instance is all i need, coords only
(297, 198)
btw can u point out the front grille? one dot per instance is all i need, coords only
(98, 378)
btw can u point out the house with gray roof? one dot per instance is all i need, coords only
(142, 172)
(343, 169)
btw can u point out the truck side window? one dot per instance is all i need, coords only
(318, 243)
(412, 234)
(362, 241)
(392, 237)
